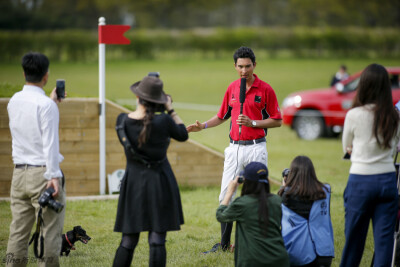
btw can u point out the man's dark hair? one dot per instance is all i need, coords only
(35, 66)
(244, 52)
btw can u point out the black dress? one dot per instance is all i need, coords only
(149, 197)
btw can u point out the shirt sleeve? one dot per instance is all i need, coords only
(272, 105)
(177, 131)
(225, 110)
(50, 139)
(348, 133)
(230, 213)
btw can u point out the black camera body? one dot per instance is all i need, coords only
(154, 73)
(46, 199)
(285, 173)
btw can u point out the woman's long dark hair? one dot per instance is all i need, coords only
(262, 192)
(150, 108)
(302, 181)
(374, 88)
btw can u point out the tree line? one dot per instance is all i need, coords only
(297, 42)
(183, 14)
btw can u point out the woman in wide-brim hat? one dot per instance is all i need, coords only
(149, 196)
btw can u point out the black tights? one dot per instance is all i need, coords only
(158, 254)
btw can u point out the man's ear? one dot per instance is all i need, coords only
(45, 78)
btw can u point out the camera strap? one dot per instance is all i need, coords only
(120, 128)
(35, 237)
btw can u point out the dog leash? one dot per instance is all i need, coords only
(35, 236)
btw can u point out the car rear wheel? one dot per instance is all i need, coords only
(309, 124)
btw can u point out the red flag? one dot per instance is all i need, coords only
(113, 34)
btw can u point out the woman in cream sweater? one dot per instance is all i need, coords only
(370, 136)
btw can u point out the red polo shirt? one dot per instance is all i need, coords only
(260, 104)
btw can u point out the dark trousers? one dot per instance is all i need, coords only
(320, 261)
(370, 197)
(226, 230)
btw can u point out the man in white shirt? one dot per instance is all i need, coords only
(34, 120)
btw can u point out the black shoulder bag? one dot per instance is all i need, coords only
(120, 128)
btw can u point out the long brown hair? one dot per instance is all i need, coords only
(374, 88)
(262, 192)
(302, 181)
(150, 108)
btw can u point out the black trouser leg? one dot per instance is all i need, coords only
(158, 253)
(226, 230)
(124, 255)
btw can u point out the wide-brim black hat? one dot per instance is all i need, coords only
(150, 88)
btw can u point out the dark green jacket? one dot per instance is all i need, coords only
(252, 248)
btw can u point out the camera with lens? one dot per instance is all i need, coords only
(46, 199)
(240, 179)
(285, 173)
(154, 73)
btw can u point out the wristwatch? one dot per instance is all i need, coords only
(253, 123)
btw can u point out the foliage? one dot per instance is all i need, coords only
(7, 89)
(298, 42)
(181, 14)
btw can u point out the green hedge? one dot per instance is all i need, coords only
(79, 45)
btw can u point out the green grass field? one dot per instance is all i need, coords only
(199, 82)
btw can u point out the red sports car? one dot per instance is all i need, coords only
(321, 112)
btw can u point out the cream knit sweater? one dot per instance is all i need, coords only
(367, 156)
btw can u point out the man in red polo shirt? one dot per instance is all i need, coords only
(260, 112)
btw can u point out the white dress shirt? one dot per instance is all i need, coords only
(34, 120)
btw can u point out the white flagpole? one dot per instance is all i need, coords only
(102, 112)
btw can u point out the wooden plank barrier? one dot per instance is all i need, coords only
(192, 163)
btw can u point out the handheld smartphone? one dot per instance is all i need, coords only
(155, 74)
(346, 156)
(60, 88)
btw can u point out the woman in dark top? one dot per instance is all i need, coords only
(303, 195)
(258, 239)
(149, 196)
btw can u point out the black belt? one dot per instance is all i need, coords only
(249, 142)
(23, 166)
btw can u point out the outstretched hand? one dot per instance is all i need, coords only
(195, 127)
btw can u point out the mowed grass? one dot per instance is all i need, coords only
(199, 82)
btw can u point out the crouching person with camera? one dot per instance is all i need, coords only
(257, 212)
(37, 187)
(306, 220)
